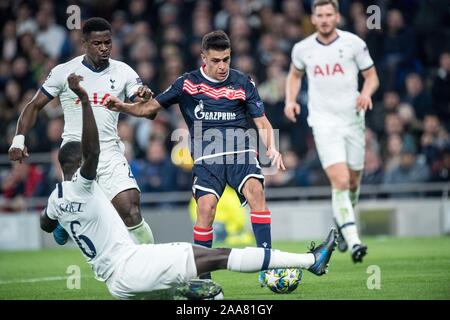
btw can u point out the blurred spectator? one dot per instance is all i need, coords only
(373, 168)
(393, 151)
(408, 119)
(417, 96)
(434, 138)
(432, 23)
(441, 169)
(138, 10)
(147, 73)
(22, 182)
(229, 8)
(376, 117)
(50, 36)
(411, 168)
(21, 73)
(441, 89)
(156, 173)
(8, 42)
(399, 49)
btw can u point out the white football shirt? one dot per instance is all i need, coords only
(118, 79)
(82, 209)
(332, 72)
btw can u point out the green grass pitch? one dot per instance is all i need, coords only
(411, 268)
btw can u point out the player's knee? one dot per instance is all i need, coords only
(129, 209)
(205, 211)
(341, 182)
(253, 191)
(254, 195)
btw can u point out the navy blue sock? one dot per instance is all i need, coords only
(261, 228)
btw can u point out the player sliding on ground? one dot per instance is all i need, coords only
(131, 271)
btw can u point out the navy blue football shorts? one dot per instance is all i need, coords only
(211, 175)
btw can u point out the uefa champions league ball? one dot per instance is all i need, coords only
(283, 280)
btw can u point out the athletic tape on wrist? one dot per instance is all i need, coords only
(18, 142)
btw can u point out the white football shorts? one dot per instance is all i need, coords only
(337, 144)
(114, 173)
(152, 267)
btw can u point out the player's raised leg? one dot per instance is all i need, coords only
(339, 176)
(254, 259)
(127, 204)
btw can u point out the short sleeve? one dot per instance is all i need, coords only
(362, 56)
(82, 187)
(132, 84)
(255, 106)
(296, 56)
(172, 93)
(54, 83)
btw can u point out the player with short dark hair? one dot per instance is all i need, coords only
(95, 24)
(332, 59)
(133, 271)
(102, 77)
(215, 101)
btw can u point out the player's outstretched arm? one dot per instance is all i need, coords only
(143, 109)
(266, 133)
(293, 84)
(90, 144)
(27, 119)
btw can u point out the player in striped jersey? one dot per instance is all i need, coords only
(215, 101)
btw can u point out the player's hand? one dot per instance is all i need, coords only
(292, 110)
(113, 103)
(17, 154)
(145, 93)
(74, 85)
(363, 103)
(275, 158)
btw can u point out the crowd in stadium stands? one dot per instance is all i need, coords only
(408, 128)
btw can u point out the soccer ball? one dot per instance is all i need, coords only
(283, 280)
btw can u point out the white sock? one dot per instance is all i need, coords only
(251, 259)
(354, 196)
(141, 233)
(344, 215)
